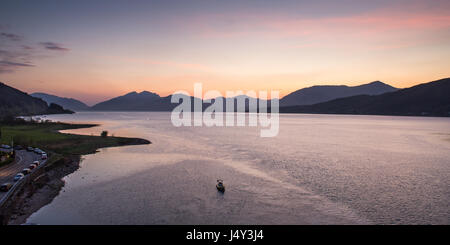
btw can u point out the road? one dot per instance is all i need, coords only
(23, 160)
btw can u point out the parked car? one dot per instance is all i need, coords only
(44, 156)
(6, 147)
(18, 176)
(32, 166)
(37, 150)
(29, 148)
(36, 163)
(18, 147)
(5, 187)
(26, 171)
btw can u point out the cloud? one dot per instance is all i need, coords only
(8, 66)
(281, 26)
(416, 21)
(16, 52)
(12, 64)
(53, 46)
(11, 36)
(375, 23)
(26, 47)
(11, 60)
(13, 53)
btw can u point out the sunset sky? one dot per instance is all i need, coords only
(95, 50)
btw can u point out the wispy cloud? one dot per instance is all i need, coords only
(10, 36)
(16, 52)
(13, 53)
(53, 46)
(26, 47)
(8, 66)
(280, 26)
(13, 59)
(413, 21)
(12, 64)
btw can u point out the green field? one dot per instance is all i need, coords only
(46, 137)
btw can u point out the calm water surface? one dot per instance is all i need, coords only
(320, 169)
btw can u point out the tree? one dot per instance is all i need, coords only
(104, 133)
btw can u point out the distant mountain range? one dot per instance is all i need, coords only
(144, 101)
(68, 103)
(427, 99)
(375, 98)
(148, 101)
(14, 102)
(318, 94)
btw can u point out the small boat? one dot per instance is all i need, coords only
(220, 187)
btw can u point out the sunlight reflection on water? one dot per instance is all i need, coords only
(320, 169)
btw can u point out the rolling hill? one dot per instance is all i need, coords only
(318, 94)
(427, 99)
(144, 101)
(147, 101)
(14, 102)
(68, 103)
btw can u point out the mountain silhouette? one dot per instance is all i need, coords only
(147, 101)
(144, 101)
(68, 103)
(318, 94)
(14, 102)
(427, 99)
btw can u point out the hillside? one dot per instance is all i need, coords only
(427, 99)
(318, 94)
(14, 102)
(144, 101)
(147, 101)
(68, 103)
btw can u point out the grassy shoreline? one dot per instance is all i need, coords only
(46, 136)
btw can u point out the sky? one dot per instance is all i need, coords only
(95, 50)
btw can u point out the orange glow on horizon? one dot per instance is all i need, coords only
(245, 49)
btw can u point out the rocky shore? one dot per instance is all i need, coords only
(43, 189)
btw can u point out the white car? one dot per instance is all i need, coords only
(18, 177)
(44, 156)
(26, 171)
(36, 163)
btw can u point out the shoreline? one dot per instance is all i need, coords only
(66, 156)
(31, 199)
(40, 193)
